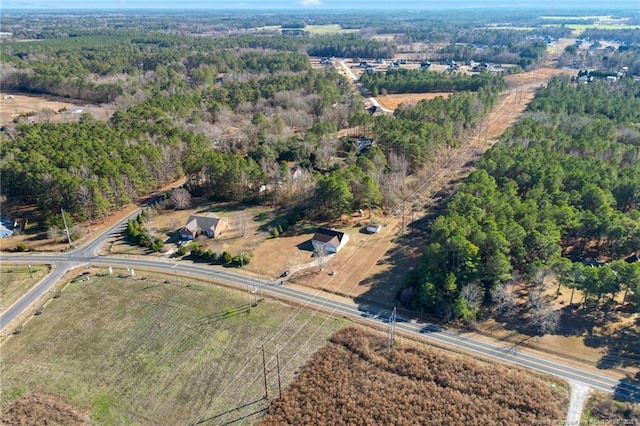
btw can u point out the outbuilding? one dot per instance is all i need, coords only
(374, 228)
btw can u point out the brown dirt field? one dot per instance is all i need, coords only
(21, 104)
(32, 104)
(392, 101)
(43, 409)
(275, 255)
(364, 256)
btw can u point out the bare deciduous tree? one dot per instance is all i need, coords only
(502, 295)
(181, 198)
(243, 223)
(542, 316)
(326, 149)
(172, 224)
(472, 294)
(321, 254)
(86, 199)
(53, 233)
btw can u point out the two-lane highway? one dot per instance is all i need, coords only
(372, 315)
(312, 299)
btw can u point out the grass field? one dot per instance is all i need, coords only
(142, 350)
(582, 27)
(17, 280)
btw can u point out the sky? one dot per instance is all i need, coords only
(315, 4)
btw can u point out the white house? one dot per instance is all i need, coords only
(328, 239)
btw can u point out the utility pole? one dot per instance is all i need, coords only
(66, 228)
(392, 330)
(278, 365)
(264, 371)
(30, 270)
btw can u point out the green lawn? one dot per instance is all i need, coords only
(153, 349)
(16, 280)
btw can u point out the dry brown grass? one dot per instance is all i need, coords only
(602, 409)
(365, 256)
(43, 409)
(392, 101)
(353, 381)
(21, 104)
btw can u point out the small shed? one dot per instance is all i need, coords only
(374, 228)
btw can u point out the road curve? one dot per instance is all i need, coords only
(317, 301)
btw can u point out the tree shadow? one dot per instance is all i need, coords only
(223, 207)
(385, 288)
(622, 346)
(628, 389)
(305, 246)
(577, 320)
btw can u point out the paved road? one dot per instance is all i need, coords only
(363, 90)
(61, 264)
(317, 301)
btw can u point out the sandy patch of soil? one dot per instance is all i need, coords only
(392, 101)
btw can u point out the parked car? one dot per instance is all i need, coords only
(284, 274)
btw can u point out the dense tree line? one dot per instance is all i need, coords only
(627, 36)
(345, 190)
(526, 54)
(78, 67)
(91, 168)
(563, 183)
(418, 132)
(138, 234)
(418, 81)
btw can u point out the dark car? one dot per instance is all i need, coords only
(284, 274)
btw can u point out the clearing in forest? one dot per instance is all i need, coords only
(13, 105)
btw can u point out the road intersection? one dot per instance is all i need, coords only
(88, 255)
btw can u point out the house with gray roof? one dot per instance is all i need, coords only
(210, 226)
